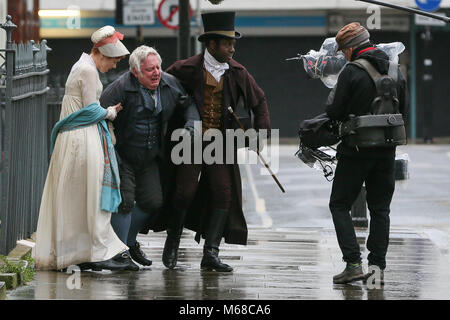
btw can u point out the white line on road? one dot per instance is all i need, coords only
(260, 205)
(448, 154)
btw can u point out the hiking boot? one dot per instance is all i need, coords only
(352, 272)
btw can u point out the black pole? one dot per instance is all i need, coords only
(184, 35)
(139, 35)
(427, 86)
(411, 10)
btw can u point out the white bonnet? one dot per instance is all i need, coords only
(107, 40)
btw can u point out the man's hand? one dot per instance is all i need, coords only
(118, 106)
(191, 132)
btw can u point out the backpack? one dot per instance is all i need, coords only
(384, 125)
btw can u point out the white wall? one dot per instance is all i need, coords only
(236, 4)
(3, 7)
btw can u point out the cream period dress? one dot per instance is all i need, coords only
(71, 227)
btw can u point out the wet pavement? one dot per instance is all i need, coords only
(292, 252)
(285, 263)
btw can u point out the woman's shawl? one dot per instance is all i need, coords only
(89, 115)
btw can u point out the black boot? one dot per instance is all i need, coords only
(352, 272)
(110, 264)
(124, 257)
(214, 235)
(138, 255)
(170, 252)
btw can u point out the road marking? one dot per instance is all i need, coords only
(260, 204)
(448, 154)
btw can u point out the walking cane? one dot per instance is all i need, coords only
(257, 151)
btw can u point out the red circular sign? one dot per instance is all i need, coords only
(168, 13)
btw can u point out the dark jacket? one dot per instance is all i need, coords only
(354, 93)
(174, 100)
(240, 91)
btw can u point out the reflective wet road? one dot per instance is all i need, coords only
(290, 263)
(292, 251)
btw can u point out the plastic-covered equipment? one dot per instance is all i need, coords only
(326, 64)
(393, 50)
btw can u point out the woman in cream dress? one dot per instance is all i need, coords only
(72, 228)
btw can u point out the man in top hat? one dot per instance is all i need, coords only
(212, 205)
(374, 166)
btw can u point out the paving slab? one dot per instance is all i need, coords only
(292, 252)
(300, 266)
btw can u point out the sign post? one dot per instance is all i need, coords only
(176, 15)
(427, 78)
(135, 12)
(184, 32)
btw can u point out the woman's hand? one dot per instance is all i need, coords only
(113, 110)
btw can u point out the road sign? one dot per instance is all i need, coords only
(427, 21)
(168, 13)
(428, 5)
(138, 12)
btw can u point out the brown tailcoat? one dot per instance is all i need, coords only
(237, 83)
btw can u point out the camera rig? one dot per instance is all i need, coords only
(318, 159)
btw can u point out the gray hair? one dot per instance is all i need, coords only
(139, 55)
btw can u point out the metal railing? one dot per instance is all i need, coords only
(23, 137)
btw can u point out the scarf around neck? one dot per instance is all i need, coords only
(216, 68)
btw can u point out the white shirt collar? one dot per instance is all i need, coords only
(216, 68)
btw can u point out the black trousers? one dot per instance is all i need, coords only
(187, 180)
(140, 182)
(379, 179)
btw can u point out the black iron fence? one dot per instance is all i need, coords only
(23, 136)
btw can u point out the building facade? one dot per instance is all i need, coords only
(273, 31)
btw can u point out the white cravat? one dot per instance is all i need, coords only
(214, 67)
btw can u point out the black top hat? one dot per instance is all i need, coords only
(219, 24)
